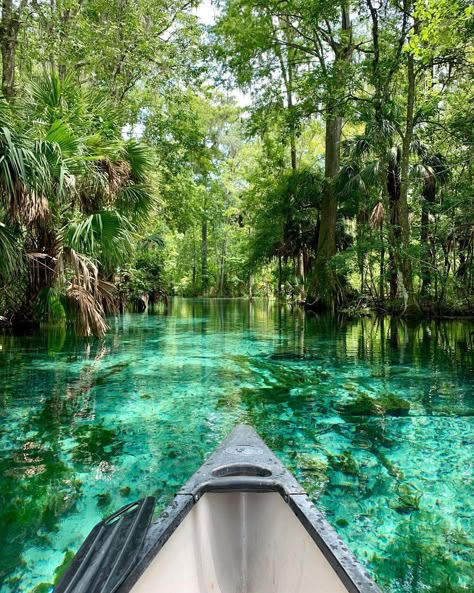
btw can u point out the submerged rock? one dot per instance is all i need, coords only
(394, 406)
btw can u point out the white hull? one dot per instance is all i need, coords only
(240, 542)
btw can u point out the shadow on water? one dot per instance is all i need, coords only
(373, 415)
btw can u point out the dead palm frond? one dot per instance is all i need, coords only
(108, 295)
(377, 216)
(24, 178)
(90, 315)
(86, 292)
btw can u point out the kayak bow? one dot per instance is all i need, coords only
(240, 524)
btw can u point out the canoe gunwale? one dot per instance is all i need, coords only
(244, 448)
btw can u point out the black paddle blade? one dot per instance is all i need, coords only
(109, 552)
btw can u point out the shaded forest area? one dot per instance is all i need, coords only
(318, 152)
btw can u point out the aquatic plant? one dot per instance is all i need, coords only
(95, 444)
(408, 498)
(59, 570)
(427, 563)
(103, 499)
(383, 405)
(344, 463)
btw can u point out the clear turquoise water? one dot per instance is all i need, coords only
(86, 427)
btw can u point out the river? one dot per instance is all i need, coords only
(374, 416)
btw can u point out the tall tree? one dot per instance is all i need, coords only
(9, 31)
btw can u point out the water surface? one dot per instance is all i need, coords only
(375, 417)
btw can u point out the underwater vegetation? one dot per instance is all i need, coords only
(436, 561)
(95, 444)
(385, 404)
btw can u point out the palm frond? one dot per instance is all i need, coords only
(49, 306)
(371, 173)
(44, 99)
(106, 236)
(154, 239)
(377, 216)
(108, 295)
(138, 156)
(355, 184)
(393, 156)
(6, 115)
(418, 147)
(62, 136)
(358, 147)
(61, 150)
(439, 165)
(418, 171)
(86, 293)
(90, 319)
(24, 178)
(10, 254)
(137, 201)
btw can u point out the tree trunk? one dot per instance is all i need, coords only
(301, 276)
(292, 117)
(382, 269)
(9, 28)
(279, 277)
(194, 272)
(286, 66)
(361, 225)
(427, 262)
(394, 231)
(405, 263)
(322, 290)
(222, 274)
(204, 266)
(194, 279)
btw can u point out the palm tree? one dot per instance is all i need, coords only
(78, 192)
(432, 169)
(373, 164)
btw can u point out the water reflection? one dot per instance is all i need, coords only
(373, 415)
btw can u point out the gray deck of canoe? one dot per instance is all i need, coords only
(244, 453)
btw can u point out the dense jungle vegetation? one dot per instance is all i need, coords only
(317, 151)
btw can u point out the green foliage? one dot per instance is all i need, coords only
(11, 259)
(78, 199)
(286, 219)
(49, 306)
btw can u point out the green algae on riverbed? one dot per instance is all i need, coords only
(374, 417)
